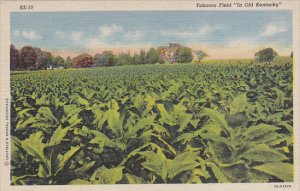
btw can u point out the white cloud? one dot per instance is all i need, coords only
(76, 37)
(107, 30)
(30, 35)
(60, 34)
(109, 33)
(133, 35)
(272, 29)
(201, 31)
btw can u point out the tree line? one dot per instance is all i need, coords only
(33, 58)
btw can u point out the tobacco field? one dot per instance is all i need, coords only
(153, 124)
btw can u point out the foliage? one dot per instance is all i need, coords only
(14, 58)
(82, 61)
(153, 56)
(68, 63)
(43, 60)
(124, 59)
(60, 61)
(28, 57)
(265, 55)
(107, 58)
(140, 58)
(185, 55)
(200, 55)
(153, 124)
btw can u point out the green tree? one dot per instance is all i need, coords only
(43, 60)
(140, 58)
(135, 58)
(82, 61)
(153, 56)
(58, 61)
(124, 59)
(68, 63)
(28, 57)
(107, 58)
(200, 55)
(184, 55)
(14, 58)
(265, 55)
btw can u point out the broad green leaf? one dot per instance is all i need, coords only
(139, 101)
(160, 129)
(80, 172)
(71, 110)
(66, 158)
(34, 146)
(183, 162)
(195, 122)
(82, 101)
(179, 108)
(165, 116)
(104, 175)
(113, 104)
(42, 173)
(184, 138)
(238, 104)
(283, 171)
(47, 113)
(150, 103)
(114, 121)
(217, 139)
(183, 120)
(142, 123)
(156, 162)
(259, 130)
(169, 147)
(218, 173)
(24, 113)
(23, 124)
(263, 153)
(58, 135)
(217, 118)
(132, 179)
(102, 140)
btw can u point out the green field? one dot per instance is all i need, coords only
(188, 123)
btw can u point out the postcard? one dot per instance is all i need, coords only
(151, 95)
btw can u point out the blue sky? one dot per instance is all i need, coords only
(220, 33)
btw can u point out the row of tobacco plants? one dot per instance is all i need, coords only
(153, 124)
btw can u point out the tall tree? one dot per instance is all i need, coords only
(14, 58)
(82, 61)
(153, 56)
(185, 55)
(68, 62)
(124, 59)
(43, 60)
(265, 55)
(200, 55)
(107, 58)
(28, 57)
(59, 61)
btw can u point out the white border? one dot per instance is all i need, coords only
(13, 6)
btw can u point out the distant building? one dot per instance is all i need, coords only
(51, 67)
(169, 53)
